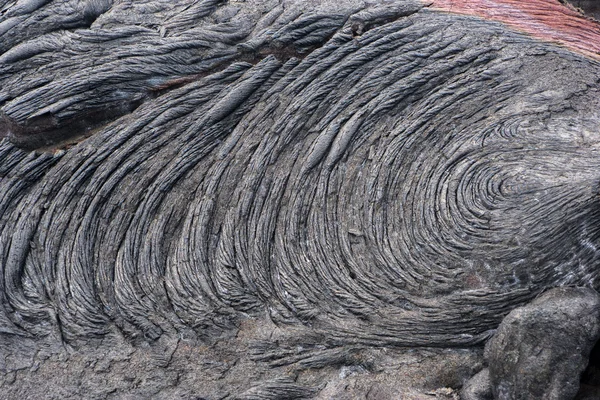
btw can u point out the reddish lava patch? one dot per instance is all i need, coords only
(544, 19)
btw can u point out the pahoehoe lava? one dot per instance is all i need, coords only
(386, 175)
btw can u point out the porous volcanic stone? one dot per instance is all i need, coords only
(540, 350)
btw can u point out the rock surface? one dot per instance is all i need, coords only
(478, 387)
(541, 349)
(355, 176)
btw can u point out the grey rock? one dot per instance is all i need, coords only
(388, 176)
(541, 349)
(234, 194)
(478, 387)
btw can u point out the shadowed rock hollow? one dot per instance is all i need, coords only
(589, 7)
(353, 176)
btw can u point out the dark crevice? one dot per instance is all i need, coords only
(280, 52)
(590, 378)
(46, 133)
(591, 8)
(94, 9)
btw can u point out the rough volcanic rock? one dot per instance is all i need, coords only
(589, 7)
(541, 349)
(478, 387)
(360, 175)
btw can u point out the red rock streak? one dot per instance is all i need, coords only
(545, 19)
